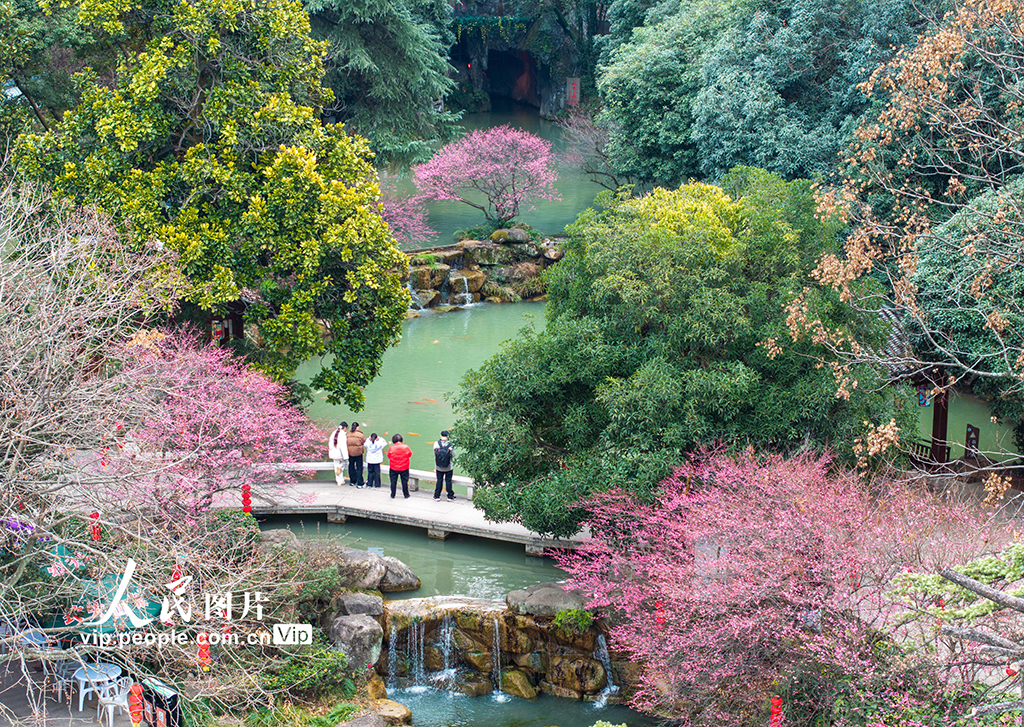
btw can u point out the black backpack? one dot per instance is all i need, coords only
(443, 454)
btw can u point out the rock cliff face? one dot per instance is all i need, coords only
(505, 268)
(475, 646)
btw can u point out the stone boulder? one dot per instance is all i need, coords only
(517, 684)
(358, 604)
(485, 253)
(425, 298)
(398, 577)
(526, 249)
(475, 280)
(481, 661)
(474, 685)
(364, 720)
(359, 638)
(543, 600)
(431, 277)
(283, 537)
(577, 674)
(361, 569)
(535, 661)
(518, 234)
(553, 254)
(375, 688)
(559, 691)
(393, 712)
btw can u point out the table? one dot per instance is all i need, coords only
(94, 679)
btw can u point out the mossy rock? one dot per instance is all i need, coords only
(499, 236)
(516, 683)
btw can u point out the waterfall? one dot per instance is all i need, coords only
(499, 695)
(460, 297)
(445, 679)
(419, 673)
(393, 658)
(601, 652)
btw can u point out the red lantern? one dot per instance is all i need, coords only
(204, 651)
(135, 704)
(246, 498)
(94, 529)
(659, 614)
(776, 714)
(1010, 671)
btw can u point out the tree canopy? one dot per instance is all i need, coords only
(662, 319)
(702, 86)
(208, 140)
(387, 63)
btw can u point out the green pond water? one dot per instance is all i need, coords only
(550, 217)
(410, 394)
(462, 565)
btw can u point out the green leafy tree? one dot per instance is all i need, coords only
(387, 63)
(662, 322)
(705, 85)
(39, 55)
(648, 86)
(779, 90)
(208, 140)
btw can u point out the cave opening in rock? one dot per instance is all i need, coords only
(513, 74)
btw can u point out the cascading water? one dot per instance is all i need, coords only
(460, 291)
(392, 658)
(419, 673)
(499, 695)
(445, 679)
(601, 652)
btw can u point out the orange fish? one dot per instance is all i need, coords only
(429, 399)
(412, 434)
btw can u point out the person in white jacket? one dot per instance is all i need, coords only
(374, 457)
(337, 450)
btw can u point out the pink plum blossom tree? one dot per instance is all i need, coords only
(749, 573)
(495, 170)
(213, 426)
(406, 214)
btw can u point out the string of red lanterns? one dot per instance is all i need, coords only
(204, 650)
(246, 498)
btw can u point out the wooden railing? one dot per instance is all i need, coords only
(923, 452)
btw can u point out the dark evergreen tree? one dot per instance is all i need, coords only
(387, 65)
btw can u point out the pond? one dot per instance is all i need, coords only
(462, 565)
(410, 395)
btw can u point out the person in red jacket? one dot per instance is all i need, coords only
(399, 455)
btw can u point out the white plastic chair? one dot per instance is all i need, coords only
(59, 674)
(90, 684)
(114, 695)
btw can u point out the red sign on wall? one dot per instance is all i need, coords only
(572, 91)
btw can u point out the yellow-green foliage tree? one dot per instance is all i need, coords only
(207, 137)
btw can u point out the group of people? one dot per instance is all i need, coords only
(348, 445)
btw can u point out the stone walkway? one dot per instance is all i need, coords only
(438, 518)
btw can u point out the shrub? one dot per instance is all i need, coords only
(574, 620)
(311, 672)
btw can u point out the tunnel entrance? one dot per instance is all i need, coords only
(513, 74)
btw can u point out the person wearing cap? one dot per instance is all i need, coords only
(443, 466)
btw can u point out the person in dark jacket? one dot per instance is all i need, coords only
(443, 466)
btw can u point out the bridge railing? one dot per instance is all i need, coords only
(415, 476)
